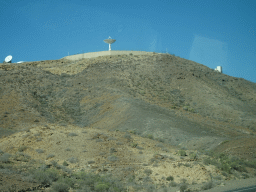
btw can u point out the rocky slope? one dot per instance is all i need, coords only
(171, 100)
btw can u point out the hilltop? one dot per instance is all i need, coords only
(134, 113)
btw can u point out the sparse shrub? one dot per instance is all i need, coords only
(39, 139)
(19, 156)
(183, 180)
(39, 150)
(164, 149)
(68, 149)
(101, 186)
(25, 136)
(5, 158)
(53, 174)
(209, 161)
(112, 150)
(182, 153)
(226, 141)
(218, 177)
(65, 163)
(207, 185)
(185, 108)
(183, 187)
(1, 152)
(224, 174)
(160, 140)
(187, 165)
(138, 147)
(60, 187)
(72, 134)
(169, 178)
(193, 156)
(54, 163)
(150, 136)
(127, 136)
(148, 171)
(142, 92)
(50, 156)
(67, 170)
(251, 164)
(22, 148)
(133, 131)
(112, 158)
(43, 167)
(42, 177)
(159, 145)
(245, 176)
(173, 184)
(225, 167)
(134, 145)
(73, 160)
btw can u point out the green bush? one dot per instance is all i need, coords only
(150, 136)
(5, 158)
(148, 171)
(182, 153)
(39, 150)
(101, 186)
(169, 178)
(19, 156)
(193, 156)
(50, 156)
(53, 174)
(73, 160)
(251, 164)
(22, 148)
(70, 181)
(42, 177)
(65, 163)
(173, 184)
(207, 185)
(134, 145)
(72, 134)
(97, 182)
(60, 187)
(45, 176)
(183, 187)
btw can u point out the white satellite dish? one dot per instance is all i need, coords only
(8, 59)
(20, 61)
(109, 41)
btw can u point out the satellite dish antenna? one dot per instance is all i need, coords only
(8, 59)
(109, 41)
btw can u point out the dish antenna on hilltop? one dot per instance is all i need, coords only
(8, 59)
(109, 41)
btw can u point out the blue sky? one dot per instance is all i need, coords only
(210, 32)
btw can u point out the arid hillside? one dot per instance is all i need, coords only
(155, 104)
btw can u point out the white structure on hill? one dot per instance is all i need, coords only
(109, 41)
(219, 68)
